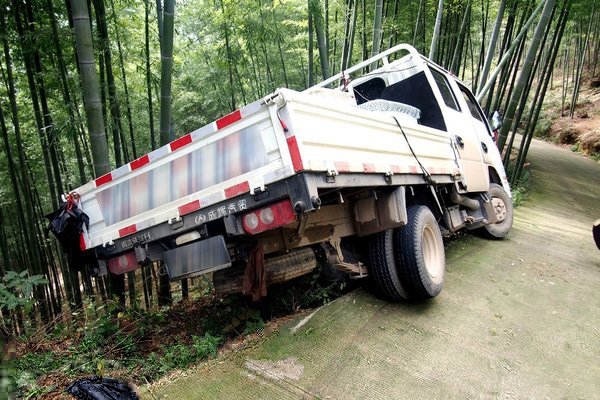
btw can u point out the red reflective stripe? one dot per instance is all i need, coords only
(342, 166)
(396, 169)
(237, 189)
(368, 168)
(413, 169)
(189, 207)
(229, 119)
(82, 242)
(182, 141)
(140, 162)
(128, 230)
(103, 179)
(295, 153)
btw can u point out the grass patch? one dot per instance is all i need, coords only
(543, 128)
(522, 188)
(141, 346)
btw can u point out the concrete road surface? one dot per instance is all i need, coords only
(517, 319)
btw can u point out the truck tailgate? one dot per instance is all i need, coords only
(235, 154)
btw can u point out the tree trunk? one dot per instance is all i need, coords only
(26, 48)
(580, 68)
(414, 41)
(352, 34)
(326, 17)
(492, 46)
(279, 40)
(436, 31)
(527, 88)
(365, 51)
(166, 129)
(347, 34)
(315, 10)
(65, 91)
(91, 90)
(509, 121)
(29, 222)
(310, 50)
(460, 43)
(124, 77)
(540, 94)
(47, 117)
(115, 110)
(149, 75)
(166, 69)
(229, 56)
(377, 31)
(393, 38)
(516, 42)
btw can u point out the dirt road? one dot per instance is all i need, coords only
(518, 318)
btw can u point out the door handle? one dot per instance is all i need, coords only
(484, 147)
(460, 142)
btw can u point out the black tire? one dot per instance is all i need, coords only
(420, 256)
(382, 266)
(503, 206)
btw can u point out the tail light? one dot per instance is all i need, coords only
(124, 263)
(270, 217)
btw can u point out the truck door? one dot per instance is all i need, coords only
(461, 129)
(479, 124)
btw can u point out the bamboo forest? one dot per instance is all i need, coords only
(90, 86)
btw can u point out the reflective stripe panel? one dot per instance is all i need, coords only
(128, 230)
(103, 179)
(229, 119)
(237, 189)
(342, 166)
(189, 207)
(140, 162)
(368, 167)
(295, 153)
(182, 141)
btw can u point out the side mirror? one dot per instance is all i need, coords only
(496, 122)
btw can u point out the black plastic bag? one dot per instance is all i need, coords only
(97, 388)
(66, 224)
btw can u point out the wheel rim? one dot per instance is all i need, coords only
(432, 254)
(499, 209)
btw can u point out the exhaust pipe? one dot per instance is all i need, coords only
(465, 201)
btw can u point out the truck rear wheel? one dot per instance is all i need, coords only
(382, 266)
(502, 205)
(420, 255)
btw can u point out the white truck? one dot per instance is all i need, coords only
(365, 178)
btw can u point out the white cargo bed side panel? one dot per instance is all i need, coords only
(215, 167)
(349, 139)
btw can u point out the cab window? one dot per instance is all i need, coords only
(471, 103)
(444, 87)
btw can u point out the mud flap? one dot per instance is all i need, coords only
(197, 258)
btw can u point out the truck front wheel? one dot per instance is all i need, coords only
(502, 205)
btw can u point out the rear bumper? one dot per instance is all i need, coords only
(220, 218)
